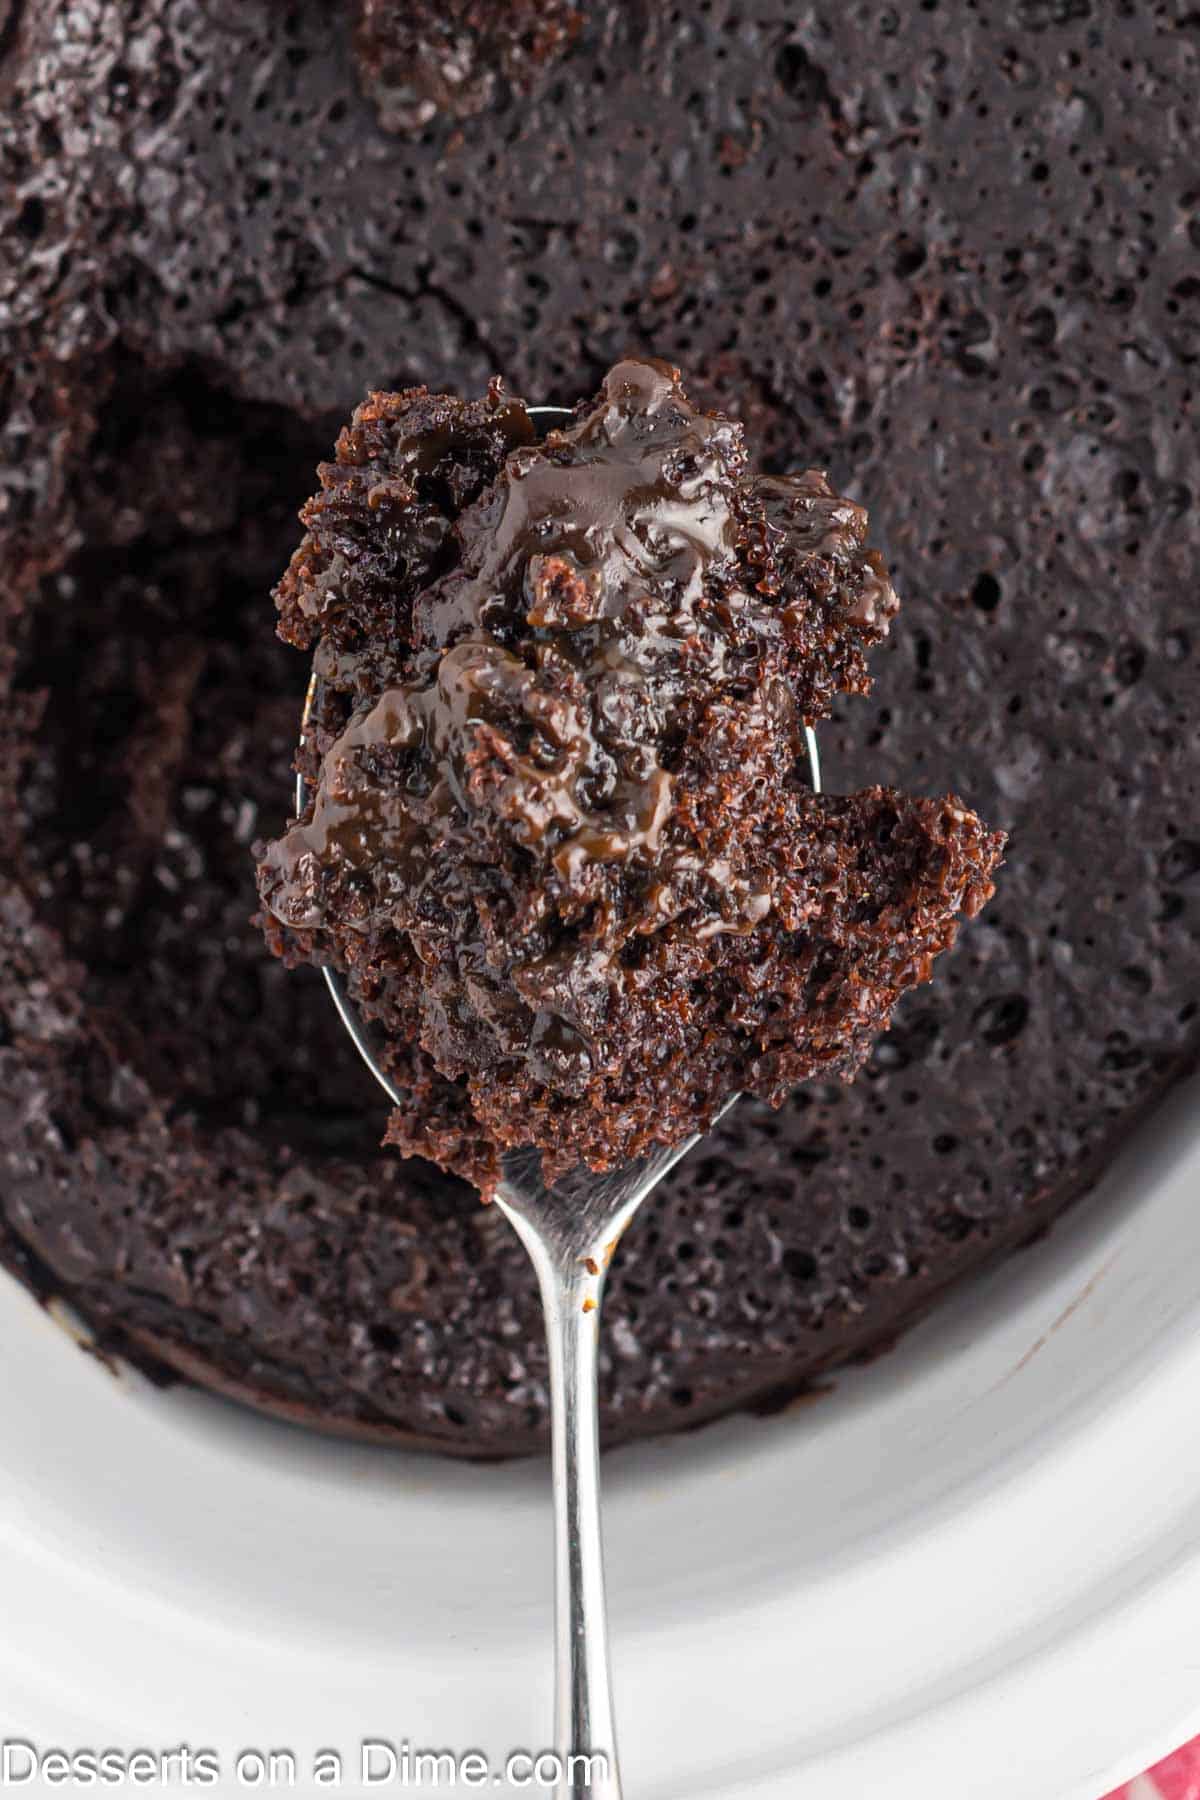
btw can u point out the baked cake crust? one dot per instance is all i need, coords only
(948, 255)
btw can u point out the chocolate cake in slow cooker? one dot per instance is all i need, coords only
(948, 254)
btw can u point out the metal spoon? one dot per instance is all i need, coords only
(570, 1232)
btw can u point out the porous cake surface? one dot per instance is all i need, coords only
(948, 255)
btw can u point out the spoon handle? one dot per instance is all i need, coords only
(583, 1708)
(570, 1232)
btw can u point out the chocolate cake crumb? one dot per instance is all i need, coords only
(422, 58)
(558, 837)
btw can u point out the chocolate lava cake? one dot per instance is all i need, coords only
(559, 835)
(948, 253)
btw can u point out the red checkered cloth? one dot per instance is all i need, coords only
(1177, 1777)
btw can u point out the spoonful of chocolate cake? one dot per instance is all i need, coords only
(560, 844)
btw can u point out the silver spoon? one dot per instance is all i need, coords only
(570, 1232)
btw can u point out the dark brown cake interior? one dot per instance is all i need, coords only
(950, 256)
